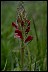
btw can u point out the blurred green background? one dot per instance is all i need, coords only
(37, 9)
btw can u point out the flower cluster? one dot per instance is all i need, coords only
(22, 26)
(18, 33)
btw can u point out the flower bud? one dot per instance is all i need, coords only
(22, 23)
(29, 38)
(14, 25)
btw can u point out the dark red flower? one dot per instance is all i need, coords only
(27, 30)
(18, 34)
(22, 23)
(28, 21)
(29, 38)
(14, 25)
(28, 27)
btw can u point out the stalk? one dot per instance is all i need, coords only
(37, 40)
(29, 57)
(38, 45)
(22, 58)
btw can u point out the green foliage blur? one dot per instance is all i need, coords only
(10, 56)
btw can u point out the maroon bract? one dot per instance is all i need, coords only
(27, 30)
(14, 25)
(28, 22)
(22, 23)
(29, 38)
(28, 27)
(19, 34)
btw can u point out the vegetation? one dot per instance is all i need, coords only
(35, 53)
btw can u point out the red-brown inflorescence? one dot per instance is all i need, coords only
(21, 30)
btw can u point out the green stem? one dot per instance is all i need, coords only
(38, 56)
(5, 65)
(38, 44)
(22, 58)
(29, 58)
